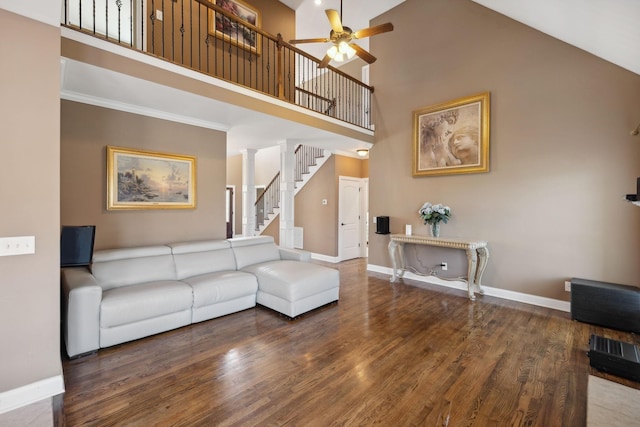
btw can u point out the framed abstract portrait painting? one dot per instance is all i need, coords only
(452, 137)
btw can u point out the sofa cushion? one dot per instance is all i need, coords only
(123, 267)
(220, 287)
(129, 304)
(254, 250)
(197, 258)
(294, 280)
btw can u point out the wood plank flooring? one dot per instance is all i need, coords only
(404, 354)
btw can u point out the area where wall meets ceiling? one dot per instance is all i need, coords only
(609, 29)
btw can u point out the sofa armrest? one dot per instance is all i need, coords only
(81, 295)
(294, 254)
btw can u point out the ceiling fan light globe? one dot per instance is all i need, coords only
(339, 57)
(343, 47)
(332, 52)
(350, 52)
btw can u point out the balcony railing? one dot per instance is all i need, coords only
(205, 37)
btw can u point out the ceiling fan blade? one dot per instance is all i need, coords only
(318, 40)
(366, 56)
(325, 61)
(334, 19)
(372, 31)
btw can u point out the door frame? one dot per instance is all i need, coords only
(231, 207)
(363, 207)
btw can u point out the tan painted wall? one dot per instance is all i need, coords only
(319, 222)
(86, 131)
(29, 190)
(561, 156)
(351, 166)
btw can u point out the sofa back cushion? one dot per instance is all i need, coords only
(197, 258)
(113, 268)
(254, 250)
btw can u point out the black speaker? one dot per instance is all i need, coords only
(614, 357)
(382, 225)
(76, 245)
(606, 304)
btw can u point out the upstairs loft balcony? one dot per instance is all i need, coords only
(206, 66)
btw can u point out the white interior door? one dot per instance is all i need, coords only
(350, 217)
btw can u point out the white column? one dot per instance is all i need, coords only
(287, 193)
(248, 192)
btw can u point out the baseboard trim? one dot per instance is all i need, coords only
(488, 290)
(31, 393)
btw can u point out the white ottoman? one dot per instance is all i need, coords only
(293, 288)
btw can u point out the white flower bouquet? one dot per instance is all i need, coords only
(434, 214)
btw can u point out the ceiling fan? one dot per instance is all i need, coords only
(342, 38)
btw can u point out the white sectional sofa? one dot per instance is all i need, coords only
(131, 293)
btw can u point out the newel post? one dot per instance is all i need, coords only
(248, 192)
(287, 193)
(280, 68)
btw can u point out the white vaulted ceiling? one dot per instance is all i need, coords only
(609, 29)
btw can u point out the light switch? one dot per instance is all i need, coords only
(20, 245)
(159, 15)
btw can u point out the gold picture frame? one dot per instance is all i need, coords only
(138, 179)
(229, 31)
(452, 137)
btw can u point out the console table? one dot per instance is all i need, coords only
(477, 256)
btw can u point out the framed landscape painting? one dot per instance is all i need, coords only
(230, 30)
(452, 137)
(138, 179)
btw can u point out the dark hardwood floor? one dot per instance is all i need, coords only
(403, 354)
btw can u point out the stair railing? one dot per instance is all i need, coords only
(268, 201)
(305, 157)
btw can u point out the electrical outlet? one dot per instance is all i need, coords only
(444, 266)
(20, 245)
(567, 285)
